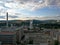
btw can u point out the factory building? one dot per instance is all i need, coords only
(7, 38)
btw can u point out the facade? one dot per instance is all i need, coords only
(43, 37)
(37, 37)
(19, 35)
(8, 38)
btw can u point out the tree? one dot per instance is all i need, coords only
(31, 42)
(56, 42)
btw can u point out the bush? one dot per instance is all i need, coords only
(56, 42)
(31, 42)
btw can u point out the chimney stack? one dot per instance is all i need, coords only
(7, 19)
(31, 22)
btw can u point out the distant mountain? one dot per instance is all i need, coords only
(28, 21)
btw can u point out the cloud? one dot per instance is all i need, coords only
(30, 4)
(12, 6)
(13, 16)
(49, 18)
(40, 18)
(7, 0)
(37, 4)
(2, 17)
(1, 7)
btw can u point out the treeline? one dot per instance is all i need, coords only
(50, 25)
(40, 25)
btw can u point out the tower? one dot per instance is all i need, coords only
(7, 19)
(31, 22)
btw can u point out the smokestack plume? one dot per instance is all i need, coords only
(7, 19)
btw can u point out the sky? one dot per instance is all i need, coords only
(30, 9)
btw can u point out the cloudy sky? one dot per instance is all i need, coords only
(30, 9)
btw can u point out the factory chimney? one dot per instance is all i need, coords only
(31, 22)
(7, 19)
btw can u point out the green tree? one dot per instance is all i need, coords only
(56, 42)
(31, 42)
